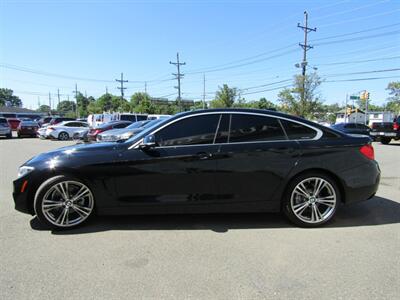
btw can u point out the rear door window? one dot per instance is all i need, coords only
(252, 128)
(297, 131)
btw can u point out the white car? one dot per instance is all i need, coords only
(65, 130)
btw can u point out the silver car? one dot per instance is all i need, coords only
(126, 133)
(5, 129)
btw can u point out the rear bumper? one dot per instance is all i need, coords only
(389, 134)
(361, 183)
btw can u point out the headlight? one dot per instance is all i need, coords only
(126, 135)
(22, 171)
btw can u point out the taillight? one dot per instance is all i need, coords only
(50, 128)
(368, 151)
(396, 126)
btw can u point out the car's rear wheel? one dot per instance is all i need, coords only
(63, 202)
(385, 140)
(9, 136)
(63, 136)
(312, 200)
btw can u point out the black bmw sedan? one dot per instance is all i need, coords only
(210, 161)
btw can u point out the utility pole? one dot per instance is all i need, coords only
(305, 48)
(145, 87)
(50, 101)
(345, 108)
(122, 88)
(76, 100)
(178, 76)
(204, 91)
(58, 97)
(106, 90)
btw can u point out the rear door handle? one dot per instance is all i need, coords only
(203, 155)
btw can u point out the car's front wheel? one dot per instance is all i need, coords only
(63, 202)
(385, 140)
(312, 200)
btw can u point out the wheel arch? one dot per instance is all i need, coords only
(336, 178)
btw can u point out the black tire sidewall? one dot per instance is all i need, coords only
(41, 191)
(286, 200)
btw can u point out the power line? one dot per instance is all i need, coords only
(362, 79)
(359, 61)
(267, 90)
(360, 38)
(362, 72)
(264, 85)
(178, 76)
(350, 20)
(355, 32)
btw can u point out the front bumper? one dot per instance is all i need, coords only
(21, 192)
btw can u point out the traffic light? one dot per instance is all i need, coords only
(366, 95)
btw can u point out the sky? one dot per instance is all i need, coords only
(47, 46)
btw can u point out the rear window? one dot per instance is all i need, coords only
(248, 128)
(297, 131)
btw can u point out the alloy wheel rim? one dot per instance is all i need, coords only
(313, 200)
(63, 136)
(67, 203)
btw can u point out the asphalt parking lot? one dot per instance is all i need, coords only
(248, 256)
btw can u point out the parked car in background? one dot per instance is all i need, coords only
(93, 132)
(13, 122)
(154, 117)
(27, 128)
(125, 133)
(5, 129)
(352, 128)
(44, 120)
(209, 161)
(386, 131)
(57, 120)
(65, 130)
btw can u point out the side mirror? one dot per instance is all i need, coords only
(149, 141)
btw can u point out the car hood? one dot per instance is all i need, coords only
(70, 153)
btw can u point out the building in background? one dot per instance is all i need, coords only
(19, 112)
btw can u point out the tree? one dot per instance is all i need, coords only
(265, 104)
(82, 103)
(66, 106)
(394, 99)
(104, 102)
(225, 97)
(6, 96)
(291, 98)
(94, 108)
(44, 109)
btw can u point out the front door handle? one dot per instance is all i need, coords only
(203, 155)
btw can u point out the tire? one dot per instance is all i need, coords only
(63, 136)
(385, 140)
(18, 135)
(9, 136)
(317, 208)
(54, 206)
